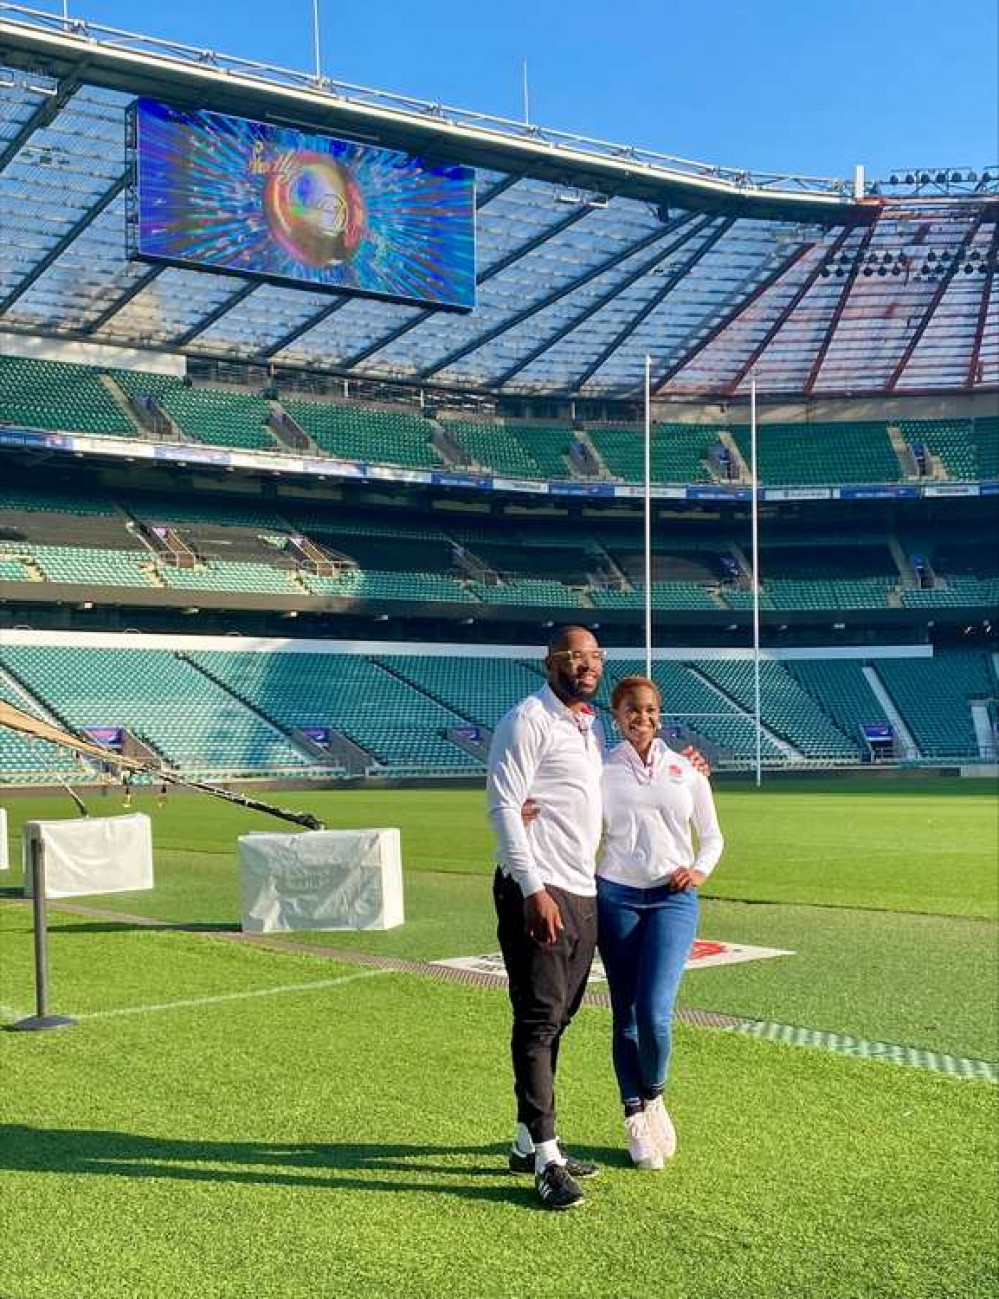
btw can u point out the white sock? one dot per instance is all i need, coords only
(546, 1152)
(523, 1141)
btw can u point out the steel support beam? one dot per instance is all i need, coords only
(43, 115)
(216, 313)
(788, 311)
(57, 250)
(840, 307)
(743, 305)
(983, 306)
(935, 301)
(608, 264)
(657, 299)
(311, 322)
(123, 299)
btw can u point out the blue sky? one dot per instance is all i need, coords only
(766, 84)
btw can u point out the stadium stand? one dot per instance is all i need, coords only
(25, 760)
(215, 416)
(790, 711)
(160, 698)
(481, 690)
(787, 454)
(226, 575)
(840, 689)
(665, 595)
(370, 584)
(367, 434)
(402, 728)
(932, 696)
(84, 565)
(59, 395)
(679, 452)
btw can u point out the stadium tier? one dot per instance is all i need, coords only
(679, 452)
(790, 711)
(216, 416)
(359, 433)
(401, 728)
(822, 453)
(58, 395)
(71, 397)
(234, 712)
(665, 595)
(840, 688)
(162, 700)
(25, 760)
(933, 697)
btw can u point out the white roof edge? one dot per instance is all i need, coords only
(632, 163)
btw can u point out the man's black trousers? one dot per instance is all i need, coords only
(547, 982)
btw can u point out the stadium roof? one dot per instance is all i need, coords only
(590, 255)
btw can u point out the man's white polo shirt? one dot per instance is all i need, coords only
(543, 750)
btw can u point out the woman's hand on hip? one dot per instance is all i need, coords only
(687, 878)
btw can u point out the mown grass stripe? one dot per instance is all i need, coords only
(890, 1052)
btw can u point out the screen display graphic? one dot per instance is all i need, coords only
(261, 199)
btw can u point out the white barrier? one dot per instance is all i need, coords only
(4, 854)
(321, 879)
(93, 855)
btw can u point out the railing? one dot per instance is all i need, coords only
(94, 34)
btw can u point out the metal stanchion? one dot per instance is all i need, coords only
(41, 1019)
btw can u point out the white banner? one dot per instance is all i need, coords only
(111, 854)
(4, 855)
(322, 879)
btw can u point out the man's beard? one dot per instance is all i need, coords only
(570, 687)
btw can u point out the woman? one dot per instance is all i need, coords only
(648, 875)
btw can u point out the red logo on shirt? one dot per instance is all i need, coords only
(674, 771)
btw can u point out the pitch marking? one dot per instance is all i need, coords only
(317, 985)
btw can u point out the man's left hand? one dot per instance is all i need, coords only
(697, 760)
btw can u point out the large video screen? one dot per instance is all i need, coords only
(267, 200)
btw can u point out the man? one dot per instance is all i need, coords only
(549, 748)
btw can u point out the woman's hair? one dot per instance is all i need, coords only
(627, 684)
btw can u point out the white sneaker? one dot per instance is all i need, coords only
(660, 1127)
(641, 1146)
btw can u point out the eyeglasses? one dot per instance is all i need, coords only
(576, 657)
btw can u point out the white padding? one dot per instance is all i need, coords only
(321, 879)
(4, 855)
(112, 854)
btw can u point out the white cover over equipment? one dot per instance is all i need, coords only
(321, 879)
(112, 854)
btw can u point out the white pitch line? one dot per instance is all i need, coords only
(317, 985)
(8, 1012)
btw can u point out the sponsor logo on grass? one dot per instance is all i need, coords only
(705, 952)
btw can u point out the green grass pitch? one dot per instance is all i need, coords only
(232, 1121)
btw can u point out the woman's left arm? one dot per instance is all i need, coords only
(710, 841)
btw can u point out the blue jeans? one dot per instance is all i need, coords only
(645, 937)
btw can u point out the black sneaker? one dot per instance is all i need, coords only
(556, 1188)
(578, 1168)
